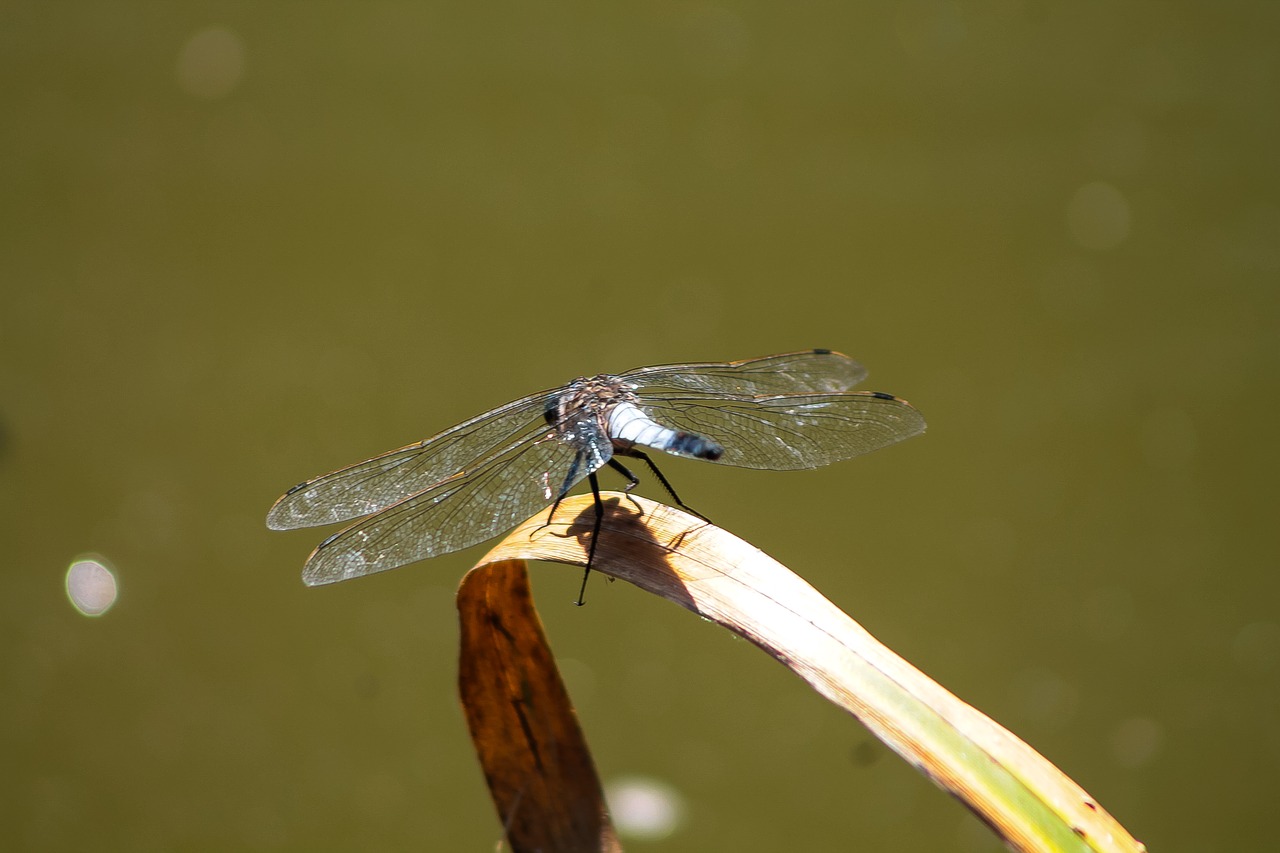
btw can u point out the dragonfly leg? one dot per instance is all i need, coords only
(665, 484)
(595, 534)
(632, 479)
(569, 480)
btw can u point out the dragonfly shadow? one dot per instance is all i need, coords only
(628, 549)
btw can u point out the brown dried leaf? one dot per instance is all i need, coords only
(535, 758)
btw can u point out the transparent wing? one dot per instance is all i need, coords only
(467, 508)
(809, 372)
(790, 431)
(377, 483)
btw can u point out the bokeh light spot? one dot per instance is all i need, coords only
(1098, 216)
(91, 585)
(1257, 646)
(1107, 613)
(1136, 741)
(211, 63)
(644, 808)
(1045, 697)
(930, 29)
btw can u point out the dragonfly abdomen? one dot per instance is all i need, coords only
(629, 425)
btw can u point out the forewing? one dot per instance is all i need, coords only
(465, 509)
(790, 431)
(377, 483)
(808, 372)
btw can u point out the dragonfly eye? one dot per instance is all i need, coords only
(552, 411)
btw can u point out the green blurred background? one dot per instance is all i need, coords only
(243, 244)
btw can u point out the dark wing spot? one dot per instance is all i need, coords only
(820, 351)
(298, 487)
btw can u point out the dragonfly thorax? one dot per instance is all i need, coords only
(589, 400)
(606, 405)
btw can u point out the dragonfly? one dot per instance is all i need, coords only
(482, 477)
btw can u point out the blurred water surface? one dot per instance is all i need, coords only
(243, 244)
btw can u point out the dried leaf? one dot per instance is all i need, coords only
(531, 747)
(1027, 801)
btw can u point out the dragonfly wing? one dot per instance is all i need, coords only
(790, 431)
(808, 372)
(467, 508)
(375, 484)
